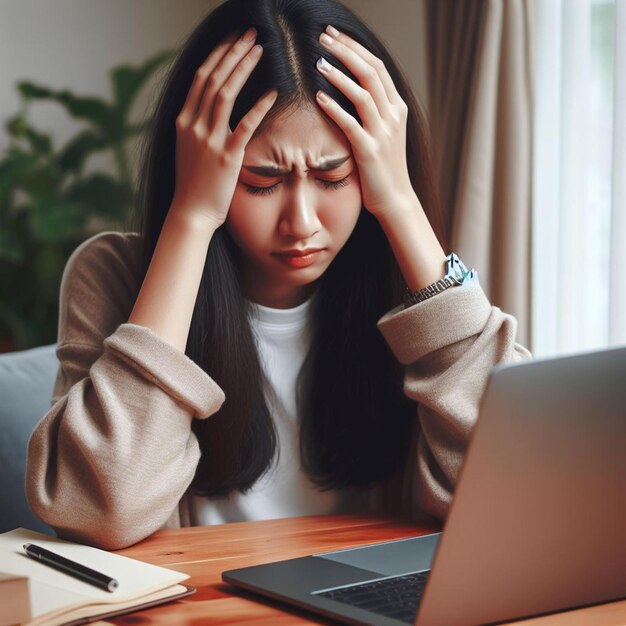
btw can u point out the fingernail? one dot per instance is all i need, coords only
(249, 35)
(323, 65)
(322, 97)
(325, 39)
(332, 31)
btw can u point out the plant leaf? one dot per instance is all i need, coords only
(48, 263)
(42, 180)
(92, 109)
(18, 127)
(14, 170)
(32, 91)
(40, 142)
(102, 195)
(127, 80)
(74, 154)
(10, 248)
(56, 219)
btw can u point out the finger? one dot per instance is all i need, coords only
(190, 108)
(350, 44)
(367, 76)
(221, 73)
(361, 98)
(225, 97)
(348, 124)
(251, 120)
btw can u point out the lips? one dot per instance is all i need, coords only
(298, 259)
(298, 253)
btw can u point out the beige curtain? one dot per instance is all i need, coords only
(479, 58)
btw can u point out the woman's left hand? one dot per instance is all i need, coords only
(379, 146)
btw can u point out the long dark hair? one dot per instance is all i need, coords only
(355, 419)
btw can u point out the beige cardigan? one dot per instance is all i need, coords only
(111, 461)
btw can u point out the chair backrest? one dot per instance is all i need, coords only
(26, 381)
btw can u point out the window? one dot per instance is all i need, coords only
(579, 203)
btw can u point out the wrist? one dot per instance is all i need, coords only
(198, 221)
(417, 250)
(401, 211)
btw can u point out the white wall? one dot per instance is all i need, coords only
(401, 27)
(72, 44)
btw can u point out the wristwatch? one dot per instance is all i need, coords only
(456, 274)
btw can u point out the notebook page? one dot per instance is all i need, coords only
(51, 589)
(47, 599)
(103, 610)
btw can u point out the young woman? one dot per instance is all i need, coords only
(248, 354)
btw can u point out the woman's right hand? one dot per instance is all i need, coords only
(209, 155)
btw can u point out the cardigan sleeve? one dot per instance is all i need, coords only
(449, 345)
(109, 462)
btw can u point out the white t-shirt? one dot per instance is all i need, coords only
(282, 337)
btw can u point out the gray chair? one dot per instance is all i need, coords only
(26, 382)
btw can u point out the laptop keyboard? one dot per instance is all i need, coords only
(396, 597)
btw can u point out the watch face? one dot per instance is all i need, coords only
(456, 269)
(458, 272)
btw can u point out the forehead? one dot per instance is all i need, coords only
(303, 135)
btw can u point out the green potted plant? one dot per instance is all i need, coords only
(48, 203)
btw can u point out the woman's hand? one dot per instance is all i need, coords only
(379, 146)
(379, 149)
(209, 155)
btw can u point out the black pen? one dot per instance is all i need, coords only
(72, 568)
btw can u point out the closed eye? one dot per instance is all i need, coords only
(260, 191)
(265, 191)
(334, 184)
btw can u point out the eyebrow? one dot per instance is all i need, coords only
(274, 170)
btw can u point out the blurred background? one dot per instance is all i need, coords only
(526, 102)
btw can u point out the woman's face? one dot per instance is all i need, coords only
(308, 204)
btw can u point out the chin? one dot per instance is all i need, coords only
(303, 277)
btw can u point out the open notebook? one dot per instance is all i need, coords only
(57, 598)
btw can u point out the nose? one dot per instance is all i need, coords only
(299, 219)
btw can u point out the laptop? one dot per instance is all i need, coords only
(537, 523)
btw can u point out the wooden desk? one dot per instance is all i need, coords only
(204, 552)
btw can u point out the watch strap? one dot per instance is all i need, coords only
(456, 274)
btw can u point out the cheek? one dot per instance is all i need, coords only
(246, 222)
(343, 216)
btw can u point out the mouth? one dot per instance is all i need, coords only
(299, 253)
(299, 258)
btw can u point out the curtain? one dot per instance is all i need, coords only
(480, 79)
(617, 285)
(579, 176)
